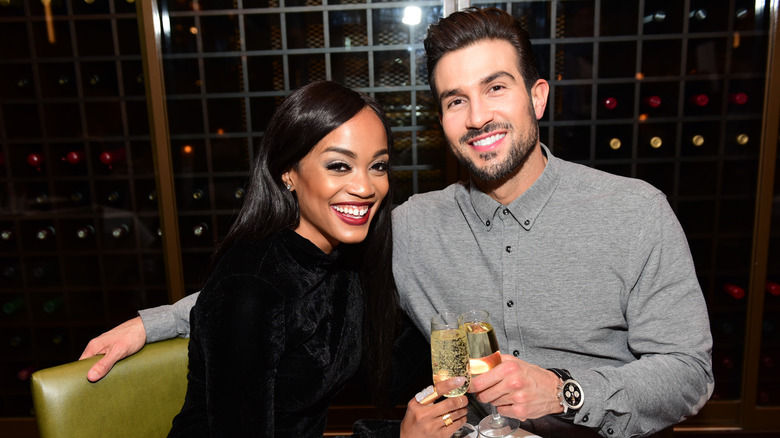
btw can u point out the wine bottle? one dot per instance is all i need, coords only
(57, 339)
(200, 229)
(113, 196)
(700, 100)
(6, 235)
(653, 101)
(76, 197)
(615, 143)
(738, 98)
(743, 139)
(16, 341)
(74, 157)
(50, 306)
(85, 232)
(9, 272)
(110, 158)
(239, 193)
(657, 17)
(656, 142)
(25, 373)
(120, 231)
(773, 288)
(41, 198)
(697, 140)
(35, 160)
(699, 14)
(45, 233)
(13, 306)
(734, 291)
(23, 83)
(198, 194)
(609, 103)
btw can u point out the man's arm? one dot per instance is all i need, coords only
(169, 321)
(126, 339)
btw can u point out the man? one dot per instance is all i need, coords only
(587, 276)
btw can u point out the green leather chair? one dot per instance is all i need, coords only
(138, 398)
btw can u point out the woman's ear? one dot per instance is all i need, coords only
(287, 181)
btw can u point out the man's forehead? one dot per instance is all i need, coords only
(476, 64)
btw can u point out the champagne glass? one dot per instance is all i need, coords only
(485, 355)
(450, 357)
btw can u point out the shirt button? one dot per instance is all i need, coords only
(508, 249)
(487, 223)
(510, 303)
(585, 419)
(506, 211)
(527, 222)
(516, 353)
(610, 431)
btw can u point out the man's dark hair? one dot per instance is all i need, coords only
(470, 26)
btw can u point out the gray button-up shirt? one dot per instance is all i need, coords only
(585, 271)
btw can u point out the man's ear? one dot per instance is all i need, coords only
(539, 93)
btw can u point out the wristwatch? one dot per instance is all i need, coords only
(571, 395)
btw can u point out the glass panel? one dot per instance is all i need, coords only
(75, 173)
(769, 363)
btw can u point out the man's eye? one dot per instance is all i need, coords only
(454, 102)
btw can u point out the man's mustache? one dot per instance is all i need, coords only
(474, 133)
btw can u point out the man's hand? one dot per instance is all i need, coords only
(518, 389)
(118, 343)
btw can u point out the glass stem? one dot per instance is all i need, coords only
(497, 420)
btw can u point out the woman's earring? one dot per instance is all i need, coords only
(288, 186)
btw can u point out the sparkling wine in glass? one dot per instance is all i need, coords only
(450, 357)
(485, 355)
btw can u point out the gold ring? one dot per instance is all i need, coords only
(447, 420)
(427, 395)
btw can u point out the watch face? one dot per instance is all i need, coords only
(572, 394)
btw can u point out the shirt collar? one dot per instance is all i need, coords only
(527, 206)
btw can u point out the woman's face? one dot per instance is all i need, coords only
(341, 182)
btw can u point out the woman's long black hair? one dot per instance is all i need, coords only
(300, 122)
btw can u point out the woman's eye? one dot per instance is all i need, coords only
(380, 166)
(338, 166)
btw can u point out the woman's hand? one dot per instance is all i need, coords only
(433, 420)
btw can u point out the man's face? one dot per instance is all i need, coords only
(488, 117)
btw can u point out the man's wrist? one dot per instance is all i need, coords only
(570, 393)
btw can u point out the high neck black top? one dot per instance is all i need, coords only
(276, 332)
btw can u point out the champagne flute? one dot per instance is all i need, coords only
(485, 355)
(450, 357)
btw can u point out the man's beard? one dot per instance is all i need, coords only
(516, 154)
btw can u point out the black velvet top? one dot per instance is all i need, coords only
(276, 332)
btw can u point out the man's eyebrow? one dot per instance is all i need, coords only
(486, 80)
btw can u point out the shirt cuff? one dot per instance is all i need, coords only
(159, 323)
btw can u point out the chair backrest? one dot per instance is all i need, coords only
(138, 398)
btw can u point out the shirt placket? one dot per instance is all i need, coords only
(510, 256)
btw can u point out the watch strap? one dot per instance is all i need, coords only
(565, 387)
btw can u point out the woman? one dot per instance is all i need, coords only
(302, 287)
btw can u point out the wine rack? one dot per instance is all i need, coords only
(672, 92)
